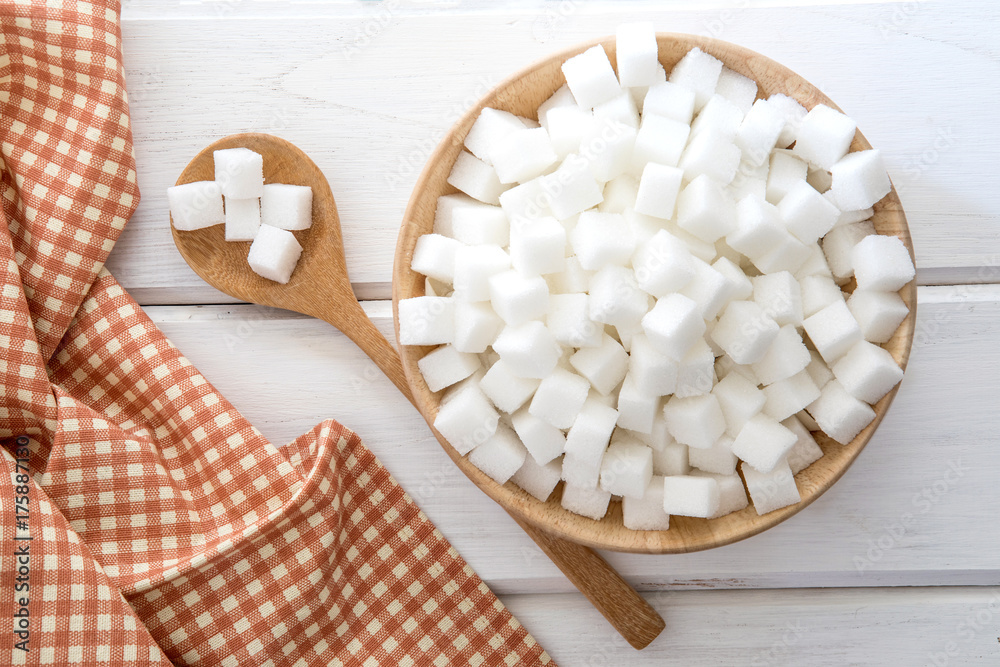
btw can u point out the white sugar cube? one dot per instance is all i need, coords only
(501, 456)
(696, 421)
(658, 189)
(242, 219)
(480, 224)
(528, 200)
(615, 298)
(490, 129)
(815, 264)
(739, 399)
(696, 371)
(807, 420)
(732, 495)
(569, 321)
(661, 140)
(590, 77)
(619, 194)
(608, 148)
(434, 257)
(787, 356)
(772, 490)
(763, 443)
(785, 172)
(719, 115)
(571, 188)
(507, 391)
(673, 325)
(838, 244)
(705, 209)
(805, 452)
(833, 331)
(859, 180)
(759, 132)
(529, 349)
(571, 280)
(544, 441)
(559, 398)
(758, 228)
(522, 155)
(718, 458)
(474, 266)
(881, 263)
(806, 213)
(791, 395)
(239, 173)
(517, 298)
(824, 136)
(745, 331)
(274, 254)
(620, 109)
(538, 480)
(687, 495)
(793, 113)
(736, 88)
(669, 100)
(847, 217)
(738, 285)
(788, 254)
(567, 126)
(654, 373)
(708, 288)
(475, 178)
(466, 418)
(446, 205)
(818, 292)
(586, 443)
(698, 71)
(286, 206)
(780, 296)
(840, 415)
(879, 314)
(195, 205)
(663, 264)
(724, 365)
(636, 408)
(589, 502)
(445, 366)
(637, 54)
(562, 97)
(627, 468)
(749, 180)
(605, 366)
(600, 239)
(426, 320)
(818, 370)
(476, 326)
(712, 153)
(867, 372)
(672, 459)
(646, 513)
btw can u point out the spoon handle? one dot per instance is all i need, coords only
(626, 610)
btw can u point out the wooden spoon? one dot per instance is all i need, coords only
(320, 287)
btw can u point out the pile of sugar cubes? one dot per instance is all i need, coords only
(250, 210)
(641, 291)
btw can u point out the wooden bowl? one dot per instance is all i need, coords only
(521, 95)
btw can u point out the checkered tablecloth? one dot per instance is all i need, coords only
(144, 520)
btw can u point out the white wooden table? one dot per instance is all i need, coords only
(898, 564)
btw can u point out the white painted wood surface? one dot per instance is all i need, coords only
(905, 545)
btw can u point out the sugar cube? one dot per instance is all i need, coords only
(239, 173)
(619, 194)
(627, 468)
(562, 97)
(686, 495)
(620, 109)
(500, 456)
(637, 54)
(818, 370)
(732, 495)
(445, 366)
(434, 257)
(719, 115)
(718, 458)
(476, 326)
(787, 356)
(793, 113)
(571, 188)
(696, 371)
(522, 155)
(745, 331)
(805, 452)
(615, 298)
(815, 264)
(738, 89)
(529, 349)
(669, 100)
(833, 331)
(507, 391)
(636, 408)
(788, 254)
(571, 280)
(608, 147)
(654, 373)
(739, 399)
(605, 366)
(544, 441)
(286, 206)
(242, 219)
(490, 129)
(660, 140)
(538, 480)
(698, 71)
(672, 458)
(658, 189)
(600, 239)
(480, 224)
(559, 398)
(780, 296)
(840, 415)
(785, 172)
(818, 292)
(881, 263)
(758, 228)
(772, 490)
(763, 443)
(838, 244)
(824, 136)
(705, 209)
(859, 180)
(590, 77)
(586, 443)
(474, 266)
(586, 501)
(791, 395)
(446, 205)
(713, 153)
(475, 178)
(879, 314)
(738, 286)
(466, 418)
(867, 372)
(569, 321)
(806, 213)
(195, 205)
(759, 131)
(663, 264)
(517, 298)
(426, 320)
(646, 513)
(274, 254)
(567, 126)
(708, 288)
(696, 421)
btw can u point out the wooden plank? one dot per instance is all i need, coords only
(915, 509)
(370, 112)
(819, 628)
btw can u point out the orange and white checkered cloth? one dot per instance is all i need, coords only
(142, 519)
